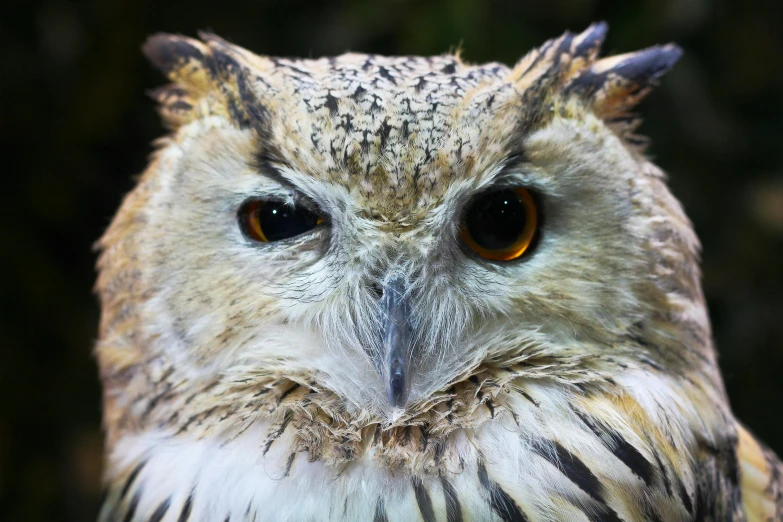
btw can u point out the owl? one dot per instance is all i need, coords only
(369, 288)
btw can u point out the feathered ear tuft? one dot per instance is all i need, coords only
(178, 57)
(610, 86)
(542, 72)
(616, 84)
(188, 63)
(558, 59)
(209, 78)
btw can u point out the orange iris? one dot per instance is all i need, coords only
(501, 225)
(268, 221)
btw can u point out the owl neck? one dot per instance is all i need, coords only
(641, 430)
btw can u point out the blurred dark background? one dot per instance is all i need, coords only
(75, 128)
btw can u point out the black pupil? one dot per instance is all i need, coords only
(496, 220)
(281, 221)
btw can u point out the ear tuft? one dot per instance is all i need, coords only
(615, 84)
(209, 78)
(588, 43)
(558, 59)
(189, 64)
(647, 65)
(173, 54)
(611, 86)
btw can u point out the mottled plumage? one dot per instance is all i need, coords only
(247, 381)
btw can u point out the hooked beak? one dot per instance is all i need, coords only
(397, 341)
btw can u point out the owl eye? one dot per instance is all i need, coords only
(501, 225)
(272, 220)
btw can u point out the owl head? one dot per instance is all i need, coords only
(380, 228)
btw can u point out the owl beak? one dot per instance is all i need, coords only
(397, 341)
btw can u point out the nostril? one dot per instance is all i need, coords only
(376, 289)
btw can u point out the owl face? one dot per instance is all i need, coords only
(381, 227)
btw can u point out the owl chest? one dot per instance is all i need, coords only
(250, 479)
(490, 475)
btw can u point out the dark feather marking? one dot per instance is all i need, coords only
(131, 478)
(685, 497)
(167, 52)
(165, 377)
(574, 469)
(247, 511)
(641, 69)
(479, 394)
(702, 509)
(157, 398)
(209, 387)
(541, 54)
(621, 448)
(515, 159)
(132, 508)
(383, 72)
(449, 69)
(288, 392)
(380, 511)
(501, 502)
(667, 485)
(491, 408)
(253, 112)
(331, 103)
(731, 462)
(262, 392)
(528, 397)
(276, 435)
(196, 416)
(453, 509)
(594, 37)
(160, 512)
(423, 500)
(577, 472)
(439, 449)
(630, 456)
(425, 437)
(184, 515)
(648, 65)
(288, 463)
(718, 496)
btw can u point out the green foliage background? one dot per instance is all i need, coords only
(75, 127)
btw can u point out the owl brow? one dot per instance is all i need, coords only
(513, 161)
(509, 166)
(265, 164)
